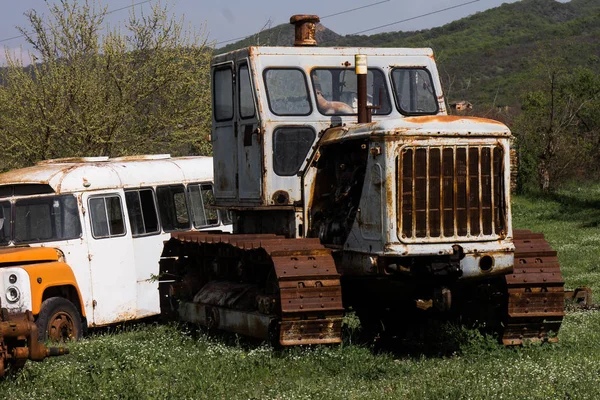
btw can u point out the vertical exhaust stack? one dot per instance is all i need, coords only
(360, 62)
(305, 29)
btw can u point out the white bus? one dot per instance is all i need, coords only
(81, 238)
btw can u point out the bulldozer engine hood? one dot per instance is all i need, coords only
(443, 126)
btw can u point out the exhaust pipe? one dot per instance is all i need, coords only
(360, 62)
(304, 29)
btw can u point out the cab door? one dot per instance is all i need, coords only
(224, 134)
(249, 138)
(110, 254)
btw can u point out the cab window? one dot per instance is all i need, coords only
(223, 93)
(42, 219)
(336, 91)
(4, 222)
(287, 91)
(245, 93)
(414, 91)
(106, 215)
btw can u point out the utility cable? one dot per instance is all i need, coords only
(418, 16)
(327, 16)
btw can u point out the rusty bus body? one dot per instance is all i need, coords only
(81, 238)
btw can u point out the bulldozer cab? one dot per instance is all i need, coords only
(271, 105)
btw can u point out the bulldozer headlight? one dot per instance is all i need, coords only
(13, 294)
(12, 278)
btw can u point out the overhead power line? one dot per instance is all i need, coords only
(327, 16)
(415, 17)
(107, 13)
(354, 9)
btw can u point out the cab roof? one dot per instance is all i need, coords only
(322, 51)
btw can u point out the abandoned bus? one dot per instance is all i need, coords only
(81, 238)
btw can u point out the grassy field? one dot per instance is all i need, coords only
(151, 361)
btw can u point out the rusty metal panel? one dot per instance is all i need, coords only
(309, 299)
(316, 331)
(451, 192)
(544, 304)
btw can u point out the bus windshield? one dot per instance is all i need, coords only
(40, 219)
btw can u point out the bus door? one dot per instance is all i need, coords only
(148, 242)
(110, 254)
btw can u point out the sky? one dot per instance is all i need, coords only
(232, 19)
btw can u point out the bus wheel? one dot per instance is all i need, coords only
(58, 321)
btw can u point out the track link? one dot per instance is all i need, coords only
(535, 291)
(309, 307)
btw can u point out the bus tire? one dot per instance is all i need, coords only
(59, 321)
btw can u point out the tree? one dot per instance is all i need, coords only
(558, 130)
(143, 90)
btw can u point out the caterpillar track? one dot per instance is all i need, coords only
(535, 291)
(260, 285)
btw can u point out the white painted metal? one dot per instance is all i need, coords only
(112, 270)
(23, 303)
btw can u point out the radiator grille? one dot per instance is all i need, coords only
(451, 192)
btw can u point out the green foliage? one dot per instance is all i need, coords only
(559, 127)
(146, 90)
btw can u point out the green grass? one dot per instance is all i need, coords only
(156, 362)
(570, 220)
(159, 362)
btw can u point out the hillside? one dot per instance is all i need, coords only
(280, 35)
(487, 58)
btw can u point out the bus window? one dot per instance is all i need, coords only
(202, 203)
(43, 219)
(106, 216)
(142, 212)
(172, 207)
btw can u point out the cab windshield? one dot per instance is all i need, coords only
(336, 91)
(414, 91)
(39, 219)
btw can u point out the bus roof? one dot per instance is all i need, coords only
(96, 173)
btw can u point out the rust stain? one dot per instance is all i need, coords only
(449, 118)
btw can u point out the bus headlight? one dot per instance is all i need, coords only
(12, 278)
(13, 294)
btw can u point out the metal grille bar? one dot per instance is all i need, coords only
(451, 192)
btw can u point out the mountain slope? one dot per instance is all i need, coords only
(486, 58)
(280, 35)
